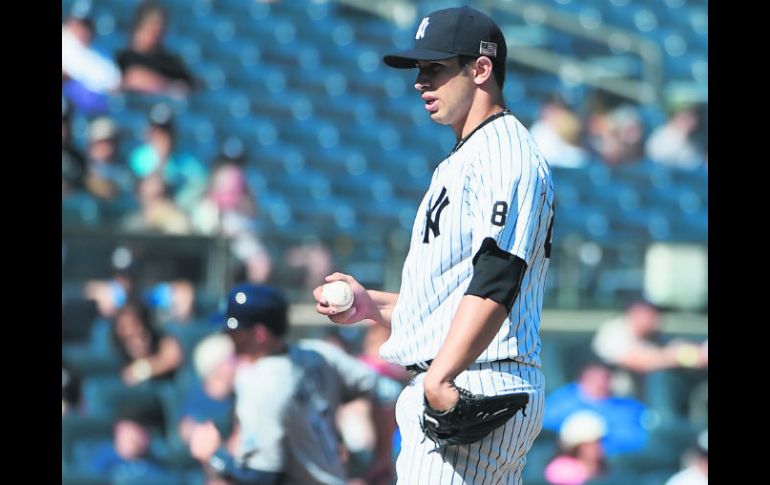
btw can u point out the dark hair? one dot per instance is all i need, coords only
(145, 9)
(145, 318)
(498, 68)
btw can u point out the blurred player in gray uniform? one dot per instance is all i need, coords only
(468, 311)
(286, 400)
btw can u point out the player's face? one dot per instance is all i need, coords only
(447, 90)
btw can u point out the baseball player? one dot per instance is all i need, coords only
(286, 401)
(466, 320)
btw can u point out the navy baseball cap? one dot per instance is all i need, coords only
(250, 304)
(452, 32)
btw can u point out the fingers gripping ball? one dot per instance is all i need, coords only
(339, 294)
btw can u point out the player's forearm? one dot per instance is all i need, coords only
(475, 324)
(384, 301)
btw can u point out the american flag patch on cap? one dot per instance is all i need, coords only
(488, 49)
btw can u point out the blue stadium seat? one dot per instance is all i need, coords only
(113, 211)
(674, 199)
(325, 215)
(580, 220)
(692, 227)
(80, 210)
(350, 108)
(76, 428)
(250, 129)
(614, 194)
(107, 397)
(308, 186)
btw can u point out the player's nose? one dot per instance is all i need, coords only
(421, 83)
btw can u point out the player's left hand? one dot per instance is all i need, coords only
(441, 395)
(204, 441)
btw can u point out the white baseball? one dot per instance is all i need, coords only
(339, 294)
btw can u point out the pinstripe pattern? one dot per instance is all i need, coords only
(500, 162)
(499, 458)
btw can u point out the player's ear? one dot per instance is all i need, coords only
(482, 70)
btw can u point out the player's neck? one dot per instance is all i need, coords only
(474, 121)
(482, 108)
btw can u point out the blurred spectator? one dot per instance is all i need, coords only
(211, 397)
(375, 336)
(129, 456)
(146, 64)
(583, 458)
(616, 135)
(228, 209)
(73, 162)
(107, 177)
(173, 302)
(625, 432)
(314, 260)
(283, 391)
(673, 143)
(354, 419)
(557, 133)
(145, 352)
(696, 464)
(70, 389)
(633, 342)
(184, 174)
(88, 77)
(157, 211)
(110, 295)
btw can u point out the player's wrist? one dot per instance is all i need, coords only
(440, 395)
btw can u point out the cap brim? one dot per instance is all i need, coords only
(408, 59)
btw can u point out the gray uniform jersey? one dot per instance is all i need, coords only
(496, 185)
(286, 408)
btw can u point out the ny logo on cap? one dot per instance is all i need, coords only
(421, 29)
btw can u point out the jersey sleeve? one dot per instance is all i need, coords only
(506, 197)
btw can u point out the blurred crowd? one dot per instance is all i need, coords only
(615, 133)
(149, 361)
(154, 186)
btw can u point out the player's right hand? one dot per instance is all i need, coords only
(363, 307)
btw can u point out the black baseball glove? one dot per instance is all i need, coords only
(472, 418)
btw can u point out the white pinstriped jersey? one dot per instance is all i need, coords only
(497, 184)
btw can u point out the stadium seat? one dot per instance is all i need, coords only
(80, 210)
(106, 397)
(75, 428)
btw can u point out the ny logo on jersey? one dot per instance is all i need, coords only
(421, 29)
(431, 219)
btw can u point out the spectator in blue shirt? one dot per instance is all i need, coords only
(211, 397)
(624, 416)
(128, 456)
(185, 175)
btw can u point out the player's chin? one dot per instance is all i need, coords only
(440, 117)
